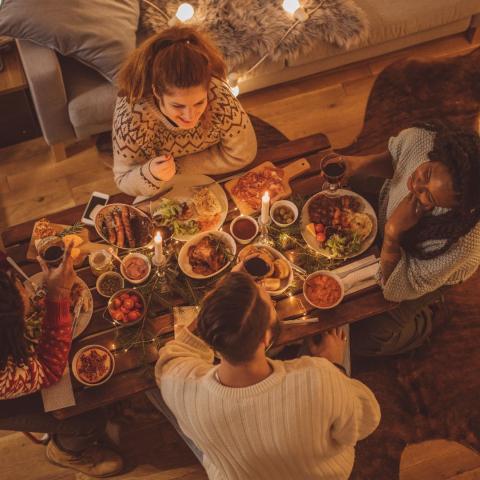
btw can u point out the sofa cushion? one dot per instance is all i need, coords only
(99, 33)
(91, 99)
(392, 19)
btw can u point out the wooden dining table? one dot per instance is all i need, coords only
(129, 377)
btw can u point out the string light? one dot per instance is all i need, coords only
(233, 83)
(293, 7)
(184, 13)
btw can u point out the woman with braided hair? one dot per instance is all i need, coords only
(26, 369)
(429, 215)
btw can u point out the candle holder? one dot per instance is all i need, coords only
(160, 262)
(264, 236)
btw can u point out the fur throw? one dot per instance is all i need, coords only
(245, 30)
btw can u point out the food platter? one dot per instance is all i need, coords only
(83, 293)
(273, 259)
(201, 256)
(93, 365)
(192, 204)
(124, 226)
(350, 223)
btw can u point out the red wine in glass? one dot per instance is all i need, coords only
(333, 168)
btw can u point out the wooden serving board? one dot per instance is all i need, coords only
(290, 171)
(85, 248)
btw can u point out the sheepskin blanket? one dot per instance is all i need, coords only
(245, 30)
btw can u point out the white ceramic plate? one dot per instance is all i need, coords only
(285, 283)
(365, 208)
(75, 361)
(182, 192)
(184, 263)
(84, 317)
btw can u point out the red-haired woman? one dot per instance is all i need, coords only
(175, 113)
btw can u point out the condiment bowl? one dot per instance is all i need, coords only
(243, 241)
(105, 276)
(287, 204)
(77, 357)
(328, 274)
(125, 260)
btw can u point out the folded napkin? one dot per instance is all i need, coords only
(184, 315)
(60, 394)
(359, 279)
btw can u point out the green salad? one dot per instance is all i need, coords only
(345, 245)
(168, 213)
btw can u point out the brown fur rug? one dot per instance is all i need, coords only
(432, 392)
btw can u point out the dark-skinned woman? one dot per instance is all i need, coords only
(429, 218)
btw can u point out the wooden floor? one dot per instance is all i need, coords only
(32, 184)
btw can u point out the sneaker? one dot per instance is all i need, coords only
(95, 461)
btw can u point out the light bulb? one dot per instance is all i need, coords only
(235, 90)
(185, 12)
(291, 6)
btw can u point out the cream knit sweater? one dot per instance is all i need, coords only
(302, 422)
(412, 277)
(141, 132)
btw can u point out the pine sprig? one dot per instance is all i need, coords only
(77, 227)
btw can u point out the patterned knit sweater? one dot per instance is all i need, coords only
(223, 141)
(46, 365)
(412, 277)
(301, 422)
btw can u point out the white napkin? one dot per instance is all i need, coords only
(184, 315)
(362, 278)
(60, 394)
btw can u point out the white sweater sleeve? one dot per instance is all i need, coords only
(131, 167)
(186, 356)
(413, 277)
(357, 410)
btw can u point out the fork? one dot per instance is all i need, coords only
(31, 284)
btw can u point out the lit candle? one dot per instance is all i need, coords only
(158, 248)
(265, 208)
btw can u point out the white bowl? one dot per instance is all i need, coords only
(243, 241)
(137, 255)
(328, 274)
(284, 203)
(76, 357)
(184, 263)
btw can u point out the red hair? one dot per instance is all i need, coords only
(178, 57)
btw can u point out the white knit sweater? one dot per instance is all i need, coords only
(412, 277)
(300, 423)
(224, 143)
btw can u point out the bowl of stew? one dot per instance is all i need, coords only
(323, 289)
(135, 268)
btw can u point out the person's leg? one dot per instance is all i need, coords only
(155, 396)
(72, 434)
(398, 331)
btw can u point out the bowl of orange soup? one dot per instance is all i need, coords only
(323, 289)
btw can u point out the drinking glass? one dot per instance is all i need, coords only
(333, 169)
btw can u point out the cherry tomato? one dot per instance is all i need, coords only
(124, 296)
(117, 302)
(321, 237)
(135, 298)
(319, 227)
(128, 303)
(124, 310)
(139, 306)
(117, 315)
(133, 315)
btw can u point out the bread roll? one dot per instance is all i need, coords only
(271, 284)
(281, 269)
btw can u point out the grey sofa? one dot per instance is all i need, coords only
(72, 101)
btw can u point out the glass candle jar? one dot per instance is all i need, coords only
(100, 262)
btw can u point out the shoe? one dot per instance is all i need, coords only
(95, 461)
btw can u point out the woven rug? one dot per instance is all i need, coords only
(433, 392)
(248, 29)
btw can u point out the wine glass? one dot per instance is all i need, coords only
(333, 169)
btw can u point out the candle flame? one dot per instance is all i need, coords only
(266, 197)
(158, 237)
